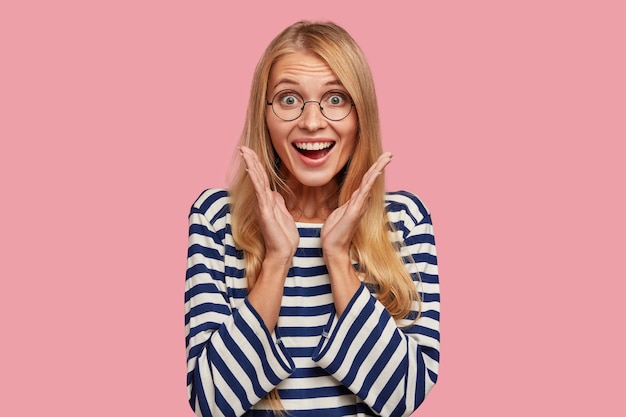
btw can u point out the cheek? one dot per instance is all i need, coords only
(278, 137)
(275, 133)
(351, 133)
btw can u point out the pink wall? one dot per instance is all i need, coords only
(507, 118)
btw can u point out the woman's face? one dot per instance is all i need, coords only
(312, 148)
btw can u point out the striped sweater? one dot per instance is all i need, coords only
(363, 363)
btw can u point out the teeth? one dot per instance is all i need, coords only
(313, 146)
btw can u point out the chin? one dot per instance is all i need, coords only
(315, 181)
(312, 178)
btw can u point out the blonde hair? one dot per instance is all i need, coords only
(378, 259)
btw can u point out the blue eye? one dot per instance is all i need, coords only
(336, 99)
(289, 99)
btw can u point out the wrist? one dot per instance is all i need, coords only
(336, 256)
(276, 262)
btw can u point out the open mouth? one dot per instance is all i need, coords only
(314, 150)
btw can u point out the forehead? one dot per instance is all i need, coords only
(301, 69)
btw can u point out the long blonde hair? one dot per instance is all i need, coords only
(378, 260)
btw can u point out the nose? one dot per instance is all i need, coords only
(312, 117)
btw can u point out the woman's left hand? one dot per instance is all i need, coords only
(340, 226)
(337, 234)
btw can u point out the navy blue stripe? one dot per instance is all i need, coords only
(400, 227)
(222, 213)
(307, 291)
(429, 297)
(418, 239)
(305, 272)
(432, 314)
(190, 375)
(259, 347)
(425, 257)
(305, 311)
(431, 352)
(380, 364)
(224, 369)
(301, 331)
(308, 373)
(192, 394)
(362, 353)
(233, 272)
(210, 197)
(301, 352)
(432, 375)
(222, 404)
(413, 198)
(245, 363)
(428, 332)
(420, 386)
(209, 308)
(202, 230)
(308, 252)
(353, 331)
(210, 253)
(342, 411)
(396, 378)
(396, 207)
(203, 269)
(429, 278)
(204, 288)
(196, 350)
(399, 410)
(230, 250)
(309, 232)
(237, 293)
(314, 393)
(200, 392)
(204, 327)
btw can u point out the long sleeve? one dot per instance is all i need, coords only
(232, 359)
(390, 366)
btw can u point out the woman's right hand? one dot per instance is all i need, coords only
(277, 225)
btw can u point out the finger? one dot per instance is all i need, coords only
(255, 168)
(371, 175)
(251, 169)
(257, 175)
(260, 168)
(378, 167)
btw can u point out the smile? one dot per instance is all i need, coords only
(314, 150)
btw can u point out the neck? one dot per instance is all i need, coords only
(312, 204)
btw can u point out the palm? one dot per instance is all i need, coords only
(279, 230)
(340, 226)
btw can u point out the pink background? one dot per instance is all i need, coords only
(507, 118)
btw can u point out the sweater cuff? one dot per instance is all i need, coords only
(266, 345)
(333, 346)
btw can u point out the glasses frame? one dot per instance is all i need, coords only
(304, 103)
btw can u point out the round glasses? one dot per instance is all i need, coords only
(288, 105)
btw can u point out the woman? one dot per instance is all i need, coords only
(311, 291)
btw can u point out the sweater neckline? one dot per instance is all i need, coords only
(309, 225)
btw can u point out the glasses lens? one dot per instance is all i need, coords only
(336, 105)
(287, 105)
